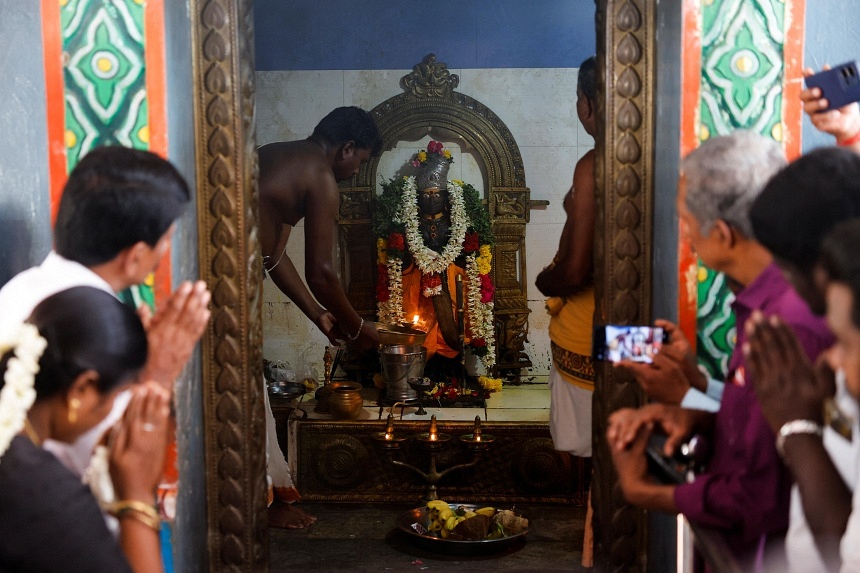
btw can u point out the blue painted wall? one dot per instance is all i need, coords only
(386, 34)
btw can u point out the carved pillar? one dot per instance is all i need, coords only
(230, 263)
(622, 249)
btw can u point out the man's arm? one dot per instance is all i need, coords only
(320, 217)
(287, 279)
(789, 388)
(572, 266)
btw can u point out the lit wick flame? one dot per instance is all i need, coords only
(477, 431)
(433, 430)
(415, 320)
(389, 428)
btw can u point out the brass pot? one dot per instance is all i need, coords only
(345, 401)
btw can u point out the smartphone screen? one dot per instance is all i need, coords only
(637, 343)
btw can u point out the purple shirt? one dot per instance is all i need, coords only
(745, 490)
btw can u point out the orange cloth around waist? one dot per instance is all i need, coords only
(570, 330)
(416, 304)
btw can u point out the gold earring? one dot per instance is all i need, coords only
(74, 404)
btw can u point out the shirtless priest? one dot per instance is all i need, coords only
(298, 179)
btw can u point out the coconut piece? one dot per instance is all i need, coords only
(474, 528)
(511, 522)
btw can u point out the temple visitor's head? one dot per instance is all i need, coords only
(838, 275)
(118, 198)
(353, 133)
(95, 346)
(800, 205)
(719, 182)
(586, 94)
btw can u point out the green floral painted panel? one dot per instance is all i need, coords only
(105, 75)
(105, 84)
(742, 78)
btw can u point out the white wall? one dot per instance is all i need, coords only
(537, 105)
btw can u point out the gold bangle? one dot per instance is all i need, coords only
(144, 519)
(139, 510)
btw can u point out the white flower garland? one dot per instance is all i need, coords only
(18, 394)
(428, 260)
(480, 313)
(391, 311)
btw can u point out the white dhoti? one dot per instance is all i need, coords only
(569, 416)
(281, 485)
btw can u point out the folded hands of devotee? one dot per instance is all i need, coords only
(174, 331)
(842, 123)
(673, 370)
(788, 387)
(138, 443)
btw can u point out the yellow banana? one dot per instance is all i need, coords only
(437, 504)
(435, 525)
(488, 511)
(445, 514)
(451, 523)
(444, 533)
(469, 514)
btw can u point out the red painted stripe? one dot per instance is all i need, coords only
(52, 46)
(691, 64)
(792, 110)
(156, 97)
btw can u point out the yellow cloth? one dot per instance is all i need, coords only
(416, 304)
(570, 330)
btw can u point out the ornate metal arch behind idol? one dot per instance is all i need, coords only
(229, 256)
(430, 106)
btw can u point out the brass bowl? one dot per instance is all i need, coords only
(399, 334)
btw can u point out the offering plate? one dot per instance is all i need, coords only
(416, 520)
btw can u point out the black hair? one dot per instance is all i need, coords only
(587, 80)
(346, 124)
(116, 197)
(840, 261)
(804, 201)
(86, 329)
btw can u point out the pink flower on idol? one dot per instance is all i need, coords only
(487, 288)
(416, 163)
(434, 147)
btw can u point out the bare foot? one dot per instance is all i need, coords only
(288, 516)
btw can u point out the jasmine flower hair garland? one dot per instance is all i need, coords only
(18, 392)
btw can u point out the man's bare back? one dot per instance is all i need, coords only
(289, 171)
(298, 180)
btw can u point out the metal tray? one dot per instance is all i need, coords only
(398, 334)
(453, 546)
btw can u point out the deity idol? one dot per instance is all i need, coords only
(434, 252)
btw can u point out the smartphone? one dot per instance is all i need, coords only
(637, 343)
(840, 85)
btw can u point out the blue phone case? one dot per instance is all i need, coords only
(840, 85)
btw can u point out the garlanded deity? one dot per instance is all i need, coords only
(434, 258)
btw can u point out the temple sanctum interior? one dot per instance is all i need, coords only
(442, 240)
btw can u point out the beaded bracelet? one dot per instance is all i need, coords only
(795, 427)
(357, 334)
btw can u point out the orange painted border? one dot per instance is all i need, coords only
(792, 110)
(691, 82)
(156, 97)
(52, 46)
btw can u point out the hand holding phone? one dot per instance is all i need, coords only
(839, 85)
(637, 343)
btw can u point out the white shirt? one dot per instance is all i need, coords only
(18, 298)
(801, 551)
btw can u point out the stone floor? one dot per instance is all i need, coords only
(364, 537)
